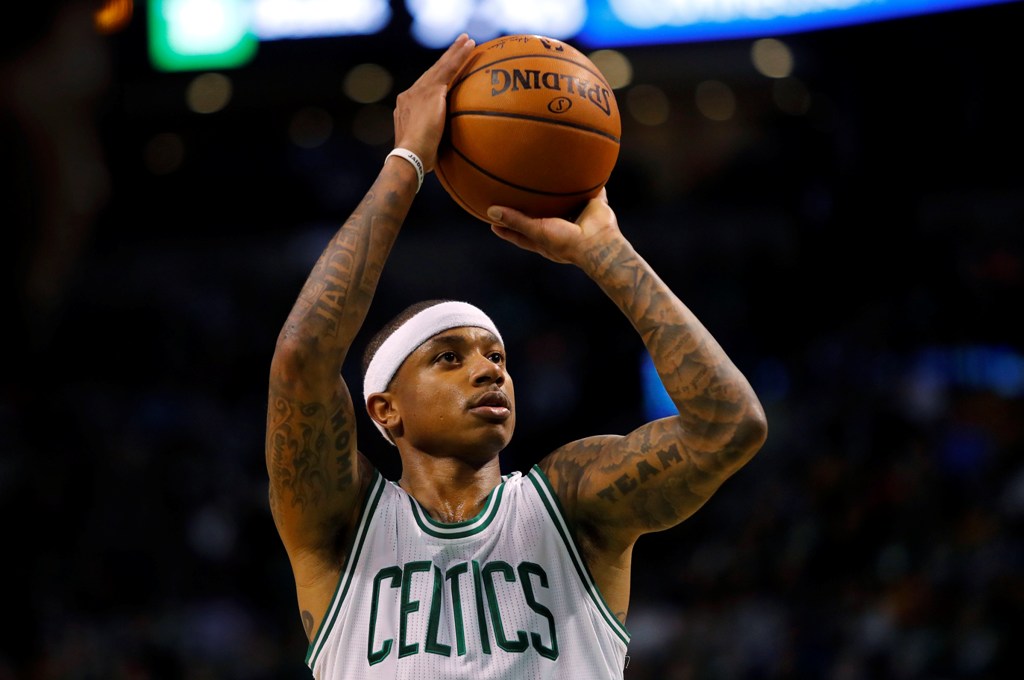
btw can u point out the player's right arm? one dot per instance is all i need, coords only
(317, 476)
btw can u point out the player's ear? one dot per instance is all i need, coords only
(381, 409)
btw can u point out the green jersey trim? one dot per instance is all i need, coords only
(359, 537)
(468, 527)
(547, 495)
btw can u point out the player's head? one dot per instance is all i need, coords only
(436, 375)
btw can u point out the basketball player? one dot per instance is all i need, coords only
(455, 571)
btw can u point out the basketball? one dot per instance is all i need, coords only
(532, 124)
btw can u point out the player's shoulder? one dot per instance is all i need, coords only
(569, 469)
(572, 460)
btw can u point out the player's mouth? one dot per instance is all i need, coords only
(492, 405)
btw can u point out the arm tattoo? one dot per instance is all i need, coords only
(301, 441)
(339, 289)
(696, 372)
(311, 457)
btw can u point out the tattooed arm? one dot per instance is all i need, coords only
(616, 488)
(317, 476)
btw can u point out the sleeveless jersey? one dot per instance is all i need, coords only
(505, 595)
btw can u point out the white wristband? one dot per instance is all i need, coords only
(412, 158)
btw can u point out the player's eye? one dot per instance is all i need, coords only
(448, 356)
(496, 357)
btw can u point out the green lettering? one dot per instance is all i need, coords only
(395, 574)
(485, 640)
(408, 607)
(520, 643)
(433, 646)
(525, 569)
(453, 575)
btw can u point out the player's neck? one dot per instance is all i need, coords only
(449, 489)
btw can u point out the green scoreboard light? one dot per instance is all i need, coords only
(192, 35)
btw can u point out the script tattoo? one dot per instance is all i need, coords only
(301, 439)
(309, 440)
(339, 289)
(325, 297)
(311, 457)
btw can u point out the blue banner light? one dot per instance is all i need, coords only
(617, 23)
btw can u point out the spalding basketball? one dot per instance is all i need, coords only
(531, 124)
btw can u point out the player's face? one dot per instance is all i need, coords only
(454, 395)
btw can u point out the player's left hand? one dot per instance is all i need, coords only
(557, 239)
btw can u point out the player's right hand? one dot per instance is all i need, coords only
(420, 110)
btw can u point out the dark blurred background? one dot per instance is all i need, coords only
(851, 232)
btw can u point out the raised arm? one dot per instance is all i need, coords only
(317, 476)
(619, 487)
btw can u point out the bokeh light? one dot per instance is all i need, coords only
(772, 58)
(113, 16)
(648, 104)
(208, 93)
(367, 83)
(615, 66)
(715, 100)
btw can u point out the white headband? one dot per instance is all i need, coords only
(413, 333)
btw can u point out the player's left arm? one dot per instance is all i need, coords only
(661, 473)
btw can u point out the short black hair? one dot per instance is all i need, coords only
(391, 326)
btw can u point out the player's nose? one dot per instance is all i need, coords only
(485, 371)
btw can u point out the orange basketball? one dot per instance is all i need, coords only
(532, 124)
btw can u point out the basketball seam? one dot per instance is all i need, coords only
(597, 75)
(537, 119)
(523, 188)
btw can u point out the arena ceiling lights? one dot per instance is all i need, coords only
(211, 34)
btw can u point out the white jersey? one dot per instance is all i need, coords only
(505, 595)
